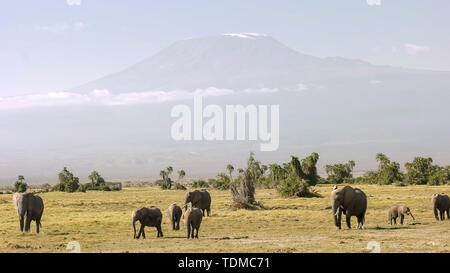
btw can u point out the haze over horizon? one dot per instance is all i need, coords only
(97, 100)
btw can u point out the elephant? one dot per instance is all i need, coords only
(441, 203)
(30, 207)
(351, 202)
(174, 213)
(199, 199)
(192, 220)
(396, 211)
(151, 217)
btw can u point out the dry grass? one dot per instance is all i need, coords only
(101, 222)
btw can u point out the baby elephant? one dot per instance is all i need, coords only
(151, 217)
(396, 211)
(174, 213)
(192, 220)
(441, 204)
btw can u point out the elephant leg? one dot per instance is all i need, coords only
(402, 217)
(173, 224)
(160, 231)
(21, 222)
(390, 221)
(203, 211)
(348, 220)
(441, 213)
(178, 225)
(361, 222)
(141, 229)
(37, 226)
(28, 222)
(192, 234)
(209, 211)
(188, 231)
(448, 213)
(395, 220)
(196, 233)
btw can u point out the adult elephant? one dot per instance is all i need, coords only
(199, 199)
(150, 217)
(441, 203)
(351, 202)
(29, 208)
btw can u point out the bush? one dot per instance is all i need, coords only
(200, 184)
(179, 186)
(293, 186)
(222, 182)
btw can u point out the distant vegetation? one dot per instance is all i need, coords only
(20, 186)
(294, 178)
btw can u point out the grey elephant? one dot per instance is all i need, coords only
(441, 203)
(192, 220)
(351, 202)
(199, 199)
(174, 213)
(30, 207)
(399, 211)
(150, 217)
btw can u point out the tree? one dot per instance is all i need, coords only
(419, 170)
(181, 174)
(388, 172)
(243, 191)
(299, 177)
(167, 182)
(230, 170)
(67, 181)
(20, 186)
(337, 173)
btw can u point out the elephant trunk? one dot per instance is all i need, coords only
(337, 216)
(412, 216)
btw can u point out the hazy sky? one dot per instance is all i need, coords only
(54, 45)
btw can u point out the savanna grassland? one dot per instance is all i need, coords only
(101, 222)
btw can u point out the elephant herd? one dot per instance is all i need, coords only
(345, 200)
(353, 202)
(152, 217)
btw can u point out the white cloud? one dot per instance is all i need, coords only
(413, 49)
(247, 35)
(73, 2)
(373, 2)
(61, 27)
(104, 97)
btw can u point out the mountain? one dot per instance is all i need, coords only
(341, 108)
(234, 61)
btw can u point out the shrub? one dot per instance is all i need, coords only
(179, 186)
(200, 184)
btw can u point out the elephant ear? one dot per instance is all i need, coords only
(349, 196)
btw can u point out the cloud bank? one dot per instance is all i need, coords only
(61, 27)
(104, 97)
